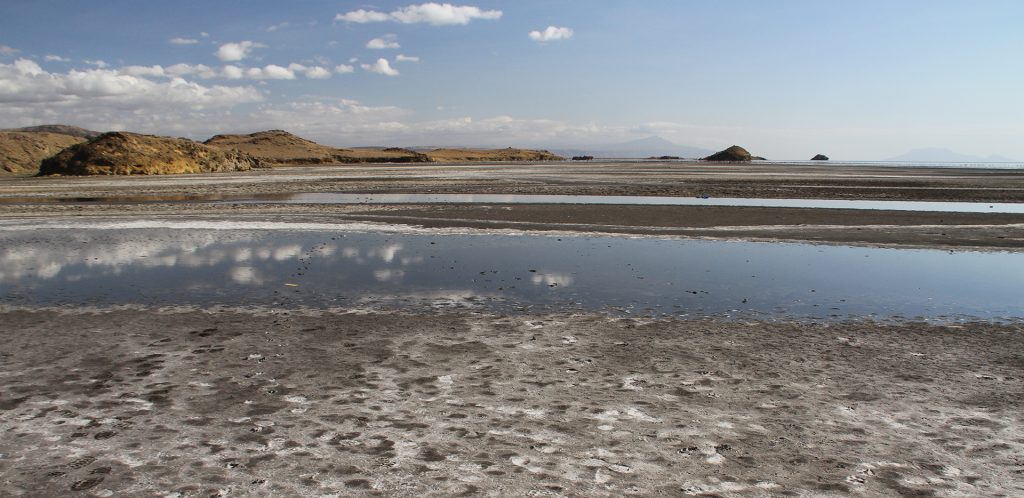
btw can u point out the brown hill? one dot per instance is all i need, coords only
(121, 153)
(734, 154)
(283, 148)
(509, 154)
(73, 131)
(21, 152)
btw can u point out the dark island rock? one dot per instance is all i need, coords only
(665, 158)
(732, 154)
(820, 157)
(582, 158)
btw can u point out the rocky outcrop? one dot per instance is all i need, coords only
(481, 155)
(665, 158)
(820, 157)
(122, 153)
(22, 152)
(733, 154)
(60, 129)
(582, 158)
(282, 148)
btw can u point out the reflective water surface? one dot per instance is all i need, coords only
(350, 198)
(504, 273)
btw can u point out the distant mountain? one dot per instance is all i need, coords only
(641, 148)
(73, 131)
(939, 155)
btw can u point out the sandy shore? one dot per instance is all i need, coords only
(890, 228)
(142, 402)
(289, 402)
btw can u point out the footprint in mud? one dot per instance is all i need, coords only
(105, 435)
(204, 333)
(81, 462)
(208, 348)
(84, 484)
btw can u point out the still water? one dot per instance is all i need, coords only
(351, 198)
(340, 267)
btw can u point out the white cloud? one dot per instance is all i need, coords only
(353, 60)
(150, 71)
(317, 73)
(270, 72)
(362, 16)
(204, 34)
(551, 33)
(436, 14)
(230, 52)
(271, 29)
(381, 67)
(183, 41)
(383, 43)
(25, 83)
(5, 50)
(406, 58)
(232, 72)
(344, 68)
(98, 63)
(56, 58)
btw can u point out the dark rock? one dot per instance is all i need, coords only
(665, 158)
(582, 158)
(733, 154)
(820, 157)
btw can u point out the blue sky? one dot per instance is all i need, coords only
(786, 78)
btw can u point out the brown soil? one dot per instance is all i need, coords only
(21, 152)
(285, 403)
(282, 148)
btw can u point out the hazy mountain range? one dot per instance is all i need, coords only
(640, 148)
(939, 155)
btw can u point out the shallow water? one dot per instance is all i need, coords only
(504, 273)
(349, 198)
(344, 198)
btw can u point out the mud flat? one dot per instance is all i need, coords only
(273, 402)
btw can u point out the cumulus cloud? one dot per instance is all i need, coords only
(183, 41)
(382, 66)
(98, 63)
(362, 16)
(383, 43)
(25, 82)
(436, 14)
(406, 58)
(232, 72)
(344, 68)
(551, 33)
(55, 58)
(278, 26)
(230, 52)
(6, 50)
(144, 71)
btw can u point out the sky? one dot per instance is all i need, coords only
(787, 79)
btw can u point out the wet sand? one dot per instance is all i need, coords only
(147, 402)
(956, 231)
(280, 402)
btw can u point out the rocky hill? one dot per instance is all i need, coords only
(282, 148)
(21, 152)
(73, 131)
(732, 154)
(121, 153)
(509, 154)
